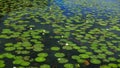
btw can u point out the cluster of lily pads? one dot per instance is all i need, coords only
(48, 38)
(7, 6)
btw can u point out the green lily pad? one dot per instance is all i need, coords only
(62, 60)
(80, 60)
(7, 31)
(2, 64)
(112, 59)
(75, 57)
(26, 44)
(101, 56)
(67, 47)
(105, 66)
(68, 65)
(40, 59)
(8, 55)
(55, 48)
(112, 65)
(25, 63)
(59, 54)
(45, 66)
(85, 56)
(82, 50)
(42, 55)
(17, 61)
(4, 36)
(37, 48)
(9, 48)
(95, 61)
(25, 52)
(9, 44)
(1, 56)
(109, 53)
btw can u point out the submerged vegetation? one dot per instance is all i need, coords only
(59, 36)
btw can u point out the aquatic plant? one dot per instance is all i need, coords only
(9, 44)
(55, 48)
(9, 48)
(68, 65)
(76, 47)
(118, 60)
(4, 36)
(2, 64)
(106, 60)
(42, 54)
(109, 53)
(45, 66)
(67, 47)
(101, 56)
(25, 52)
(95, 61)
(40, 59)
(26, 58)
(25, 63)
(59, 54)
(8, 55)
(112, 65)
(19, 48)
(112, 59)
(84, 36)
(104, 66)
(1, 56)
(7, 31)
(75, 57)
(118, 65)
(26, 44)
(11, 6)
(18, 61)
(62, 60)
(37, 48)
(98, 51)
(81, 50)
(89, 53)
(80, 61)
(84, 56)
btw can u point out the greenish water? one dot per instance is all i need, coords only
(66, 34)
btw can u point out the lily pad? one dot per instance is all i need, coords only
(9, 48)
(112, 65)
(55, 48)
(68, 65)
(42, 55)
(67, 47)
(2, 64)
(59, 54)
(95, 61)
(62, 60)
(84, 56)
(45, 66)
(40, 59)
(25, 63)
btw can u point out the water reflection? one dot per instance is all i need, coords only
(88, 5)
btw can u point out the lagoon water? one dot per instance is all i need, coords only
(81, 32)
(74, 6)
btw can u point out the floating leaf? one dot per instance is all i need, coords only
(55, 48)
(59, 54)
(40, 59)
(62, 60)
